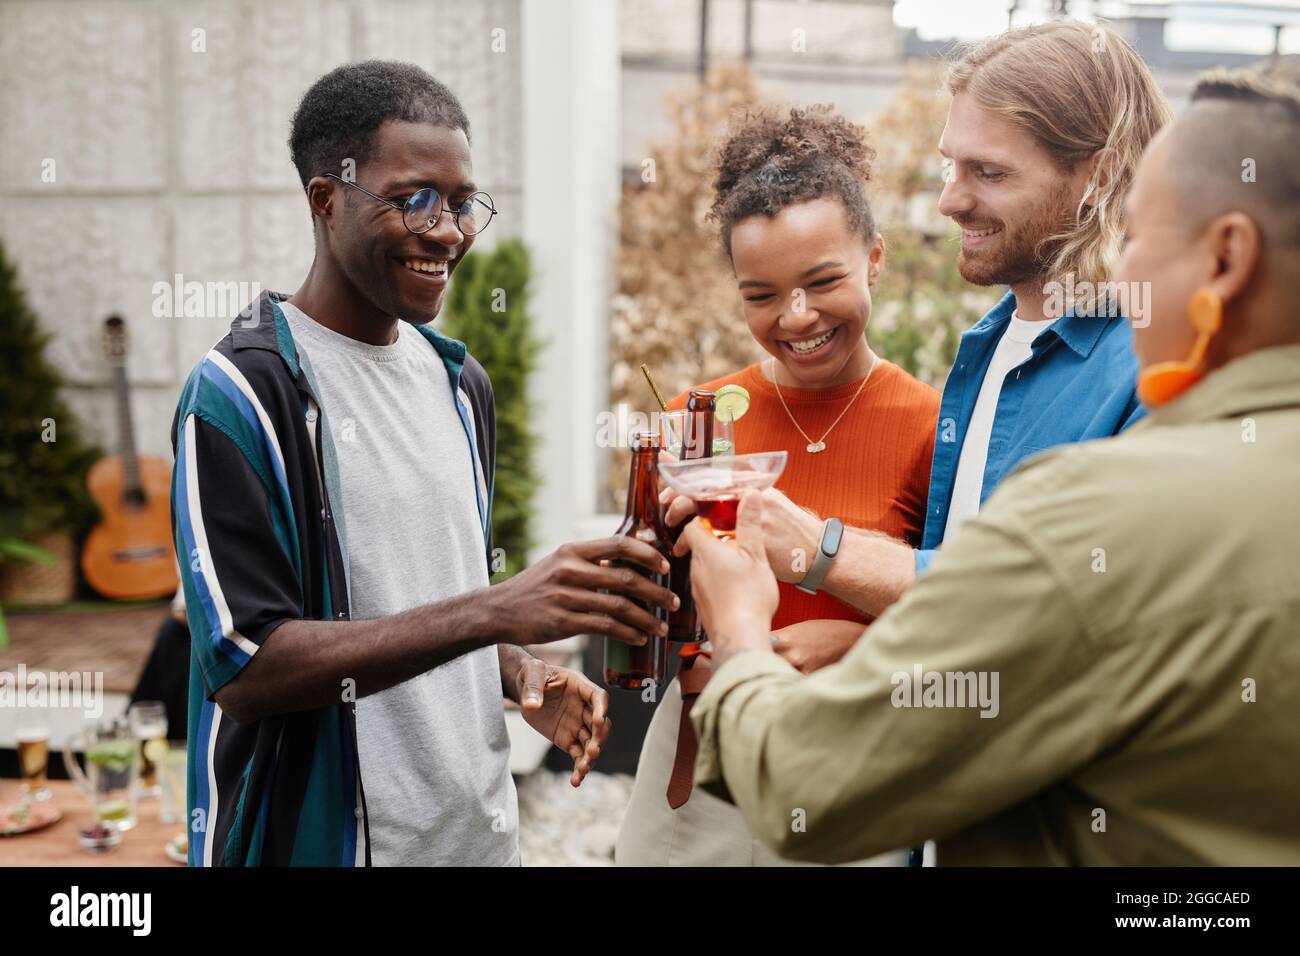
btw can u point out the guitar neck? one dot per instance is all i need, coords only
(126, 434)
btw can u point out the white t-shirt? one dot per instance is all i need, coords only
(434, 750)
(1013, 348)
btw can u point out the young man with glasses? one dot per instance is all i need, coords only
(333, 498)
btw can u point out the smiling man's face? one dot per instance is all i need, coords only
(1005, 192)
(402, 274)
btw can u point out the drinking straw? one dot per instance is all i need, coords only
(645, 370)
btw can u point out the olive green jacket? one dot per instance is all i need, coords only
(1129, 609)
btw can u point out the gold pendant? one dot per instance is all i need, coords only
(816, 446)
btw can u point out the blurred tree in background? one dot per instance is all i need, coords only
(42, 467)
(487, 309)
(44, 458)
(676, 307)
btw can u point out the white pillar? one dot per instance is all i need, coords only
(571, 137)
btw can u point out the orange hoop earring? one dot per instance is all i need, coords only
(1164, 381)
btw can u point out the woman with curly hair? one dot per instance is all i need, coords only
(794, 219)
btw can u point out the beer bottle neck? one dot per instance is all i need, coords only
(643, 491)
(697, 433)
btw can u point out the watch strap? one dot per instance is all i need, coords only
(827, 548)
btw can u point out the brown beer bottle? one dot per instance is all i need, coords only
(697, 442)
(626, 666)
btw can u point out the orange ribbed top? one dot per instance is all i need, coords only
(874, 472)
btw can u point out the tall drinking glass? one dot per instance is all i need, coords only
(33, 739)
(672, 433)
(112, 768)
(148, 720)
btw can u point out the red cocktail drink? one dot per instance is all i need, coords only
(719, 514)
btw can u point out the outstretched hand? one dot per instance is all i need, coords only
(734, 588)
(568, 710)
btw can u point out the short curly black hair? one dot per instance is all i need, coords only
(338, 116)
(773, 158)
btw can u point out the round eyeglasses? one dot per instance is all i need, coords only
(424, 208)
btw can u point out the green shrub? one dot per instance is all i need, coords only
(487, 309)
(42, 482)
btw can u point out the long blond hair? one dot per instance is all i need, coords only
(1079, 90)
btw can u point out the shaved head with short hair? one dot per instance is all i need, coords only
(1237, 147)
(1215, 210)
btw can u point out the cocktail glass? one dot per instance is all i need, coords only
(716, 484)
(112, 768)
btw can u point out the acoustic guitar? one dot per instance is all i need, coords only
(129, 555)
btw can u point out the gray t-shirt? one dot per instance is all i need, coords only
(435, 755)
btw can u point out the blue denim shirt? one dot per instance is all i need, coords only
(1078, 383)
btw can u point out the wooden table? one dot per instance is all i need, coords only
(100, 637)
(57, 844)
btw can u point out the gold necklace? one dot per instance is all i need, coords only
(813, 447)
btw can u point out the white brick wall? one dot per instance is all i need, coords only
(173, 161)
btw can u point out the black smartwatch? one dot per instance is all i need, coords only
(827, 549)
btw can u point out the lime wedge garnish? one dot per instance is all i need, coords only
(731, 402)
(112, 754)
(155, 751)
(113, 810)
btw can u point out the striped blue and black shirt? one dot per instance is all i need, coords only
(254, 494)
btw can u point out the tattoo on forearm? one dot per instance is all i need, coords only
(725, 647)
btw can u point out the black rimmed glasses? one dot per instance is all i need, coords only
(424, 208)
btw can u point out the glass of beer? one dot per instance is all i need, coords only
(148, 720)
(33, 739)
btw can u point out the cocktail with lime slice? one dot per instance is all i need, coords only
(112, 766)
(731, 401)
